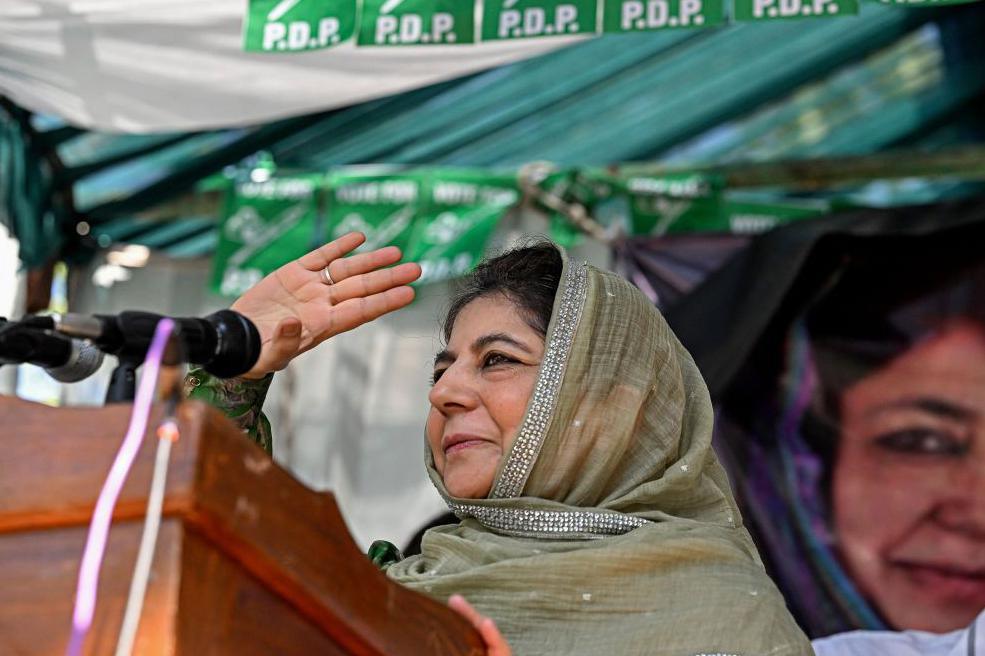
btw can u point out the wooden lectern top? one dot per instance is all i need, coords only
(248, 560)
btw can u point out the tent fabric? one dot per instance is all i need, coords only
(178, 65)
(886, 78)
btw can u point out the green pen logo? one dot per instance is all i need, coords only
(298, 25)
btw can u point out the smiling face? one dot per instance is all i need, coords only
(483, 380)
(909, 483)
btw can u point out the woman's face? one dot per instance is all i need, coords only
(483, 380)
(909, 483)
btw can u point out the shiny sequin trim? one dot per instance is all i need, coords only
(546, 522)
(531, 436)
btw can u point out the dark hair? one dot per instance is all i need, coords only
(878, 310)
(528, 276)
(875, 311)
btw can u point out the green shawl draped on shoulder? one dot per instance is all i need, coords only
(610, 528)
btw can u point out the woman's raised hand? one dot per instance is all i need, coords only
(495, 642)
(295, 309)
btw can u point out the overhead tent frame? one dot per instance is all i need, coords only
(120, 178)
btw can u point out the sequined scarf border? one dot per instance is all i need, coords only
(531, 436)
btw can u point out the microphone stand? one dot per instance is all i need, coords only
(123, 382)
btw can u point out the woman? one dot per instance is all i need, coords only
(863, 476)
(572, 434)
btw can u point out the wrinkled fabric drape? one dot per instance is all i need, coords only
(611, 527)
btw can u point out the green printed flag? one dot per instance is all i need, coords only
(382, 206)
(522, 19)
(461, 213)
(697, 202)
(297, 25)
(755, 10)
(416, 22)
(659, 203)
(265, 225)
(742, 216)
(645, 15)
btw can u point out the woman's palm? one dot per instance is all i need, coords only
(294, 310)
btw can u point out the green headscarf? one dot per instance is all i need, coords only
(610, 527)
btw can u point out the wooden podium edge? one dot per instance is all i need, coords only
(229, 492)
(234, 483)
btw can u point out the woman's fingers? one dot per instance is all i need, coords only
(357, 311)
(496, 644)
(333, 250)
(374, 282)
(347, 267)
(459, 604)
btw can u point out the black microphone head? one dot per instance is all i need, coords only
(238, 345)
(84, 361)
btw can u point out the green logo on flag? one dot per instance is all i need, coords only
(645, 15)
(754, 10)
(416, 22)
(521, 19)
(266, 224)
(298, 25)
(454, 227)
(380, 206)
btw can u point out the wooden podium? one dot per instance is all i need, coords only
(248, 560)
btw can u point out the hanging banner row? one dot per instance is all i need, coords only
(299, 25)
(444, 218)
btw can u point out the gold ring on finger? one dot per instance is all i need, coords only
(326, 276)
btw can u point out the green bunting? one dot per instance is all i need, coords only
(285, 26)
(444, 219)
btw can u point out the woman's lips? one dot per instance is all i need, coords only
(456, 443)
(947, 581)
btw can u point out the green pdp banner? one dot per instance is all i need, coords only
(416, 23)
(444, 218)
(460, 212)
(646, 15)
(266, 224)
(696, 202)
(298, 25)
(756, 10)
(282, 26)
(524, 19)
(381, 206)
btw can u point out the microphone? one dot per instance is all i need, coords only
(225, 343)
(64, 359)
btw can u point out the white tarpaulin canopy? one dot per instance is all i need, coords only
(179, 65)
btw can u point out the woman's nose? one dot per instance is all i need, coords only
(964, 508)
(454, 391)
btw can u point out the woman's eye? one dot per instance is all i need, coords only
(921, 441)
(436, 375)
(493, 359)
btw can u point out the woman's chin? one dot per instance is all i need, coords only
(469, 472)
(465, 485)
